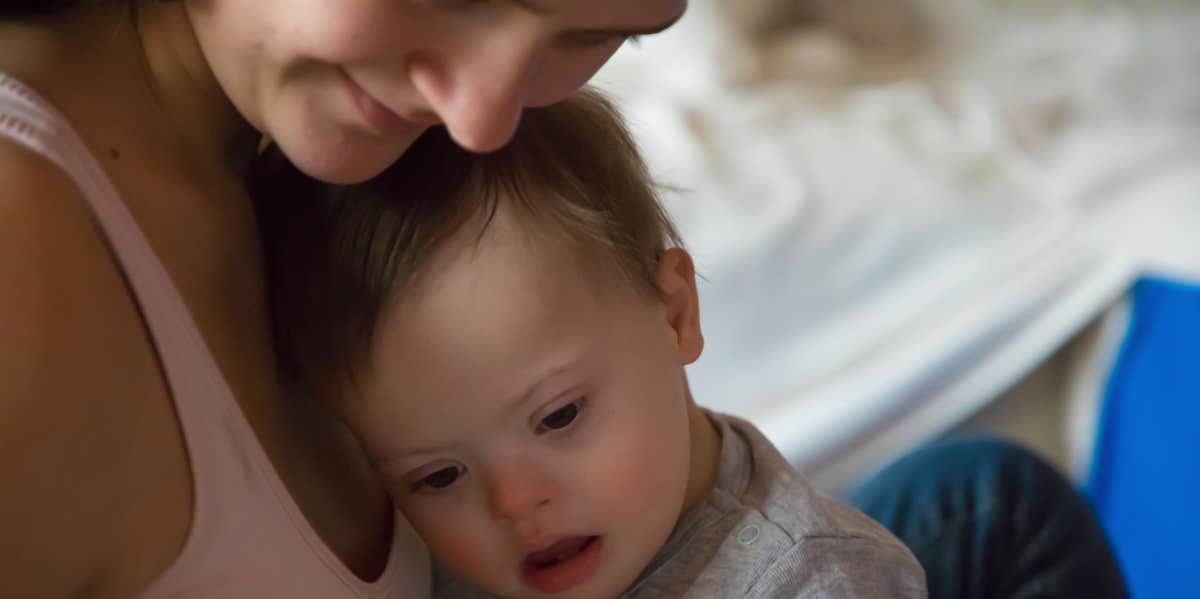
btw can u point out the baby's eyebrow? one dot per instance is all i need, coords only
(383, 461)
(396, 452)
(400, 465)
(406, 452)
(545, 379)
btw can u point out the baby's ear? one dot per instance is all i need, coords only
(677, 283)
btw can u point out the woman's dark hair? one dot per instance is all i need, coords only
(10, 8)
(24, 8)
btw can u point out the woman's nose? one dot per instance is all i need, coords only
(478, 91)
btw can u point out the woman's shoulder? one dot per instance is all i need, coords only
(76, 372)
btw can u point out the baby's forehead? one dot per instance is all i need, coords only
(506, 241)
(493, 306)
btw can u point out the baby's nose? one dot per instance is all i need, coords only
(519, 492)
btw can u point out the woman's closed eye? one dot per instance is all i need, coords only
(450, 4)
(561, 417)
(593, 39)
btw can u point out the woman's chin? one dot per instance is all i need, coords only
(352, 161)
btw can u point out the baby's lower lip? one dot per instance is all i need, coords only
(566, 574)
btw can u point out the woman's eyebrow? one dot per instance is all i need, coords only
(532, 6)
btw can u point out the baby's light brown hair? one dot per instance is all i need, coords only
(338, 255)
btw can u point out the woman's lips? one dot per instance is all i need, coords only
(379, 118)
(563, 565)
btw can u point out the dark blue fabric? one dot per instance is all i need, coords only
(1145, 478)
(988, 519)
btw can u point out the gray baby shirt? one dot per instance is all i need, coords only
(764, 532)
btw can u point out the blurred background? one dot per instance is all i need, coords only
(925, 218)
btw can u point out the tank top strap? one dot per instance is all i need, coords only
(214, 430)
(192, 375)
(248, 537)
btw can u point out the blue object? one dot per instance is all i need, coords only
(989, 519)
(1145, 478)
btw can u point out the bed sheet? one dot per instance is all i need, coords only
(884, 252)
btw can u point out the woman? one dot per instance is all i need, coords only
(144, 444)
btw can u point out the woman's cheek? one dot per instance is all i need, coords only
(342, 31)
(564, 72)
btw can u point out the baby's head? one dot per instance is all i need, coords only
(506, 334)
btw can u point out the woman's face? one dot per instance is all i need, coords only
(345, 86)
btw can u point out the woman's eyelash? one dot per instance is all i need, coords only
(591, 39)
(561, 418)
(453, 4)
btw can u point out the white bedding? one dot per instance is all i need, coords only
(883, 257)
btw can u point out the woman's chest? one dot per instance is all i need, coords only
(204, 232)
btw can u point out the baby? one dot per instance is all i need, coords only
(507, 335)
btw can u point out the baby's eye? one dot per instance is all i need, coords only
(561, 418)
(441, 479)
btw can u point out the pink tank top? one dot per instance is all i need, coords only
(248, 537)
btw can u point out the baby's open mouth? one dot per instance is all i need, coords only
(558, 552)
(561, 565)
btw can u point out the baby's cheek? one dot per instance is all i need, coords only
(459, 540)
(642, 478)
(629, 477)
